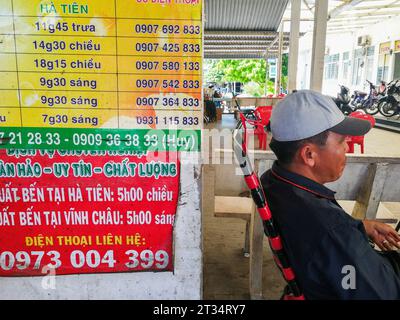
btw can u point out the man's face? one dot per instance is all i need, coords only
(331, 158)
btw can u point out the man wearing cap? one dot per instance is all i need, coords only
(329, 250)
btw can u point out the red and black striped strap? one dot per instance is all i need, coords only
(274, 239)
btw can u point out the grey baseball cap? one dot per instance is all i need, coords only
(306, 113)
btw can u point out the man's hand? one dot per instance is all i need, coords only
(385, 237)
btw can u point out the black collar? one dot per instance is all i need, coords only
(301, 182)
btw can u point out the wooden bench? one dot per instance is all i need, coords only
(215, 205)
(236, 207)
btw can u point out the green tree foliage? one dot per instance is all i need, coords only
(212, 71)
(248, 71)
(285, 64)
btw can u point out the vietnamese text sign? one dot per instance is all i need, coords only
(99, 65)
(86, 211)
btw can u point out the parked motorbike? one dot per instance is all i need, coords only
(389, 105)
(357, 99)
(372, 101)
(343, 100)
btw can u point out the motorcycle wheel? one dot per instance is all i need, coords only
(372, 108)
(387, 109)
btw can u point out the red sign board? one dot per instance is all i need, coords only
(86, 212)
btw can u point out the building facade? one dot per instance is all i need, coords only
(371, 53)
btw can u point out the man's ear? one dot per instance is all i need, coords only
(307, 154)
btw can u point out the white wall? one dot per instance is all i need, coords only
(304, 62)
(184, 283)
(387, 30)
(338, 44)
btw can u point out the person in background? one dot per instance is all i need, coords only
(217, 94)
(210, 109)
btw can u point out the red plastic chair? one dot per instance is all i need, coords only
(258, 130)
(359, 140)
(263, 115)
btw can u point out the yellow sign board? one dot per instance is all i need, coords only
(106, 62)
(384, 48)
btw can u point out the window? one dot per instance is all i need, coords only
(346, 65)
(357, 66)
(331, 66)
(383, 62)
(369, 63)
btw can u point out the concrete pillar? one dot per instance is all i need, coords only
(318, 49)
(294, 44)
(279, 62)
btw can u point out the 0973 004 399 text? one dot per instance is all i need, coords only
(35, 260)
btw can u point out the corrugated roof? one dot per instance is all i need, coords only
(254, 15)
(242, 28)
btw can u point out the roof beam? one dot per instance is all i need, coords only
(258, 47)
(236, 50)
(354, 20)
(350, 23)
(224, 45)
(244, 41)
(343, 7)
(378, 6)
(377, 10)
(344, 29)
(372, 14)
(272, 43)
(308, 6)
(303, 19)
(347, 26)
(349, 18)
(240, 33)
(208, 37)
